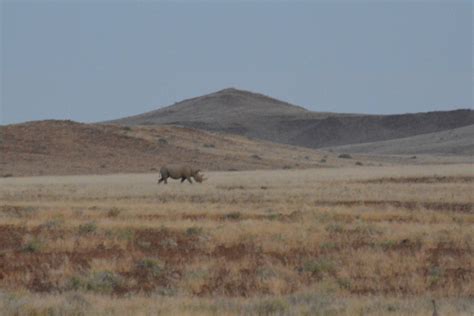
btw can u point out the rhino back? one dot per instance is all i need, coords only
(178, 171)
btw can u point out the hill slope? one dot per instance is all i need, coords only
(459, 141)
(254, 115)
(66, 147)
(231, 111)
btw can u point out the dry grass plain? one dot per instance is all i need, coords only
(335, 241)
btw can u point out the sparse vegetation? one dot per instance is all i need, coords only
(103, 282)
(33, 245)
(163, 141)
(194, 231)
(87, 228)
(114, 212)
(326, 241)
(151, 266)
(233, 215)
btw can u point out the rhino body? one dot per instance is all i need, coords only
(182, 172)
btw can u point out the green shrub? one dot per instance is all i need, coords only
(75, 283)
(33, 245)
(194, 231)
(319, 266)
(103, 282)
(87, 228)
(344, 283)
(151, 266)
(125, 234)
(328, 245)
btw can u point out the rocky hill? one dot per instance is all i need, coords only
(258, 116)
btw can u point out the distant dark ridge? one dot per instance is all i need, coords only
(333, 131)
(458, 141)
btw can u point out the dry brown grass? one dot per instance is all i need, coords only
(70, 148)
(365, 240)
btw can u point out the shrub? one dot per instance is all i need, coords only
(272, 307)
(367, 229)
(435, 275)
(75, 283)
(344, 283)
(194, 231)
(103, 282)
(33, 245)
(52, 224)
(124, 234)
(319, 266)
(358, 163)
(388, 244)
(151, 266)
(87, 228)
(328, 245)
(256, 157)
(233, 215)
(168, 243)
(209, 146)
(274, 217)
(114, 212)
(334, 228)
(322, 160)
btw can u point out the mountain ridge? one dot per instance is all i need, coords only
(259, 116)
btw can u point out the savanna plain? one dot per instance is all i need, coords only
(330, 241)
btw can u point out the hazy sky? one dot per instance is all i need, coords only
(98, 60)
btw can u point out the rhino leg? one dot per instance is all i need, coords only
(161, 180)
(189, 179)
(182, 179)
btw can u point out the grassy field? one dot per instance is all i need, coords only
(335, 241)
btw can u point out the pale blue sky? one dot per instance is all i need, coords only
(98, 60)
